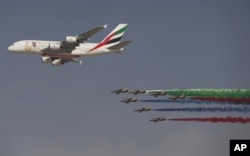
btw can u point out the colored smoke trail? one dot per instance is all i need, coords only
(215, 119)
(230, 100)
(225, 93)
(240, 93)
(190, 101)
(166, 101)
(212, 109)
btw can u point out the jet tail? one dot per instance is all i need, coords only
(115, 36)
(112, 38)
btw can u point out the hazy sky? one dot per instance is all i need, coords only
(69, 110)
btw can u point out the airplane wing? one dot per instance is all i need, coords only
(85, 36)
(71, 42)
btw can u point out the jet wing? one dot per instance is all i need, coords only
(69, 46)
(88, 34)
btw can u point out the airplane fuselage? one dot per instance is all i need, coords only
(46, 47)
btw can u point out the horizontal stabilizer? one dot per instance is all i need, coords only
(119, 45)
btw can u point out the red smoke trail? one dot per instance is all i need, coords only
(225, 100)
(216, 119)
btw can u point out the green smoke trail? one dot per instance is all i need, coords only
(220, 93)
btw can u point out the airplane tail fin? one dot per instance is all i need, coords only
(115, 36)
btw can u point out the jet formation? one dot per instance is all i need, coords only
(197, 96)
(155, 93)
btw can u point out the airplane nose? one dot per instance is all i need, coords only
(11, 48)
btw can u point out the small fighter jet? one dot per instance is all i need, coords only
(134, 99)
(138, 91)
(158, 93)
(143, 109)
(118, 91)
(162, 118)
(182, 96)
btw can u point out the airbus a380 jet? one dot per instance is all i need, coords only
(57, 53)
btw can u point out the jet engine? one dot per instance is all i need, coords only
(53, 46)
(71, 39)
(57, 62)
(46, 59)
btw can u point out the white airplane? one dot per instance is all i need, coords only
(57, 53)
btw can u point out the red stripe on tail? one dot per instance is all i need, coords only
(103, 42)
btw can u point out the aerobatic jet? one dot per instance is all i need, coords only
(134, 99)
(143, 109)
(158, 93)
(138, 91)
(162, 118)
(57, 53)
(118, 91)
(182, 96)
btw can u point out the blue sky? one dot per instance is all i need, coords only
(69, 110)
